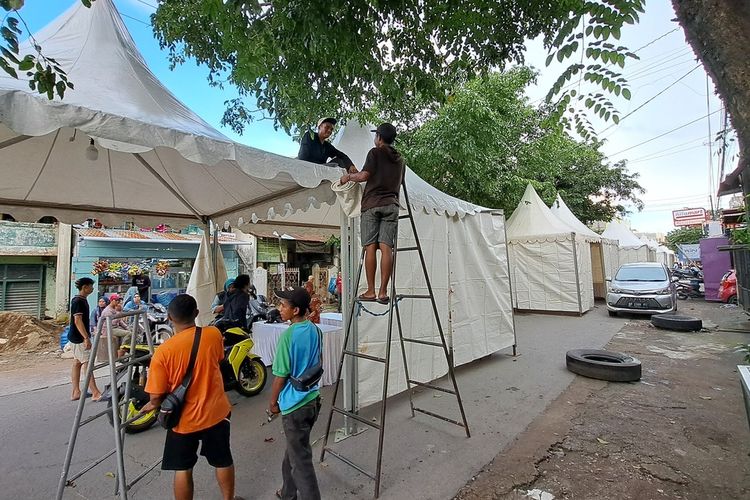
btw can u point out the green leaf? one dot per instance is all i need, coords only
(6, 67)
(27, 63)
(626, 93)
(549, 59)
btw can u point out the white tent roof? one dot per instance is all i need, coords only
(158, 161)
(663, 249)
(625, 237)
(533, 219)
(561, 210)
(356, 140)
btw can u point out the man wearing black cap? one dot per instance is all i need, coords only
(315, 147)
(383, 172)
(298, 358)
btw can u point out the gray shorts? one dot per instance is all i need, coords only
(380, 225)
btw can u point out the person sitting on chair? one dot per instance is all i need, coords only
(383, 172)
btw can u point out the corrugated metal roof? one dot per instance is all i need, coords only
(151, 236)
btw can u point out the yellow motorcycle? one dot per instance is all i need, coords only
(241, 369)
(138, 395)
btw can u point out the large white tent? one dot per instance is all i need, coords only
(156, 160)
(466, 255)
(632, 249)
(604, 252)
(550, 262)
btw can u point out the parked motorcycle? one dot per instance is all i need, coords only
(257, 309)
(690, 289)
(241, 369)
(138, 396)
(158, 323)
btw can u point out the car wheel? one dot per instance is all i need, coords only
(677, 322)
(603, 365)
(612, 313)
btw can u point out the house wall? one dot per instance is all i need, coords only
(32, 243)
(89, 251)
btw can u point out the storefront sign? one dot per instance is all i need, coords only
(689, 217)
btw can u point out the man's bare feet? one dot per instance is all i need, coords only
(75, 396)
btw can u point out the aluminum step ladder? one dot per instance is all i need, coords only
(354, 352)
(118, 368)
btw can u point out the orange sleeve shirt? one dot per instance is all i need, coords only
(206, 404)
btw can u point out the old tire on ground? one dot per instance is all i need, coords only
(603, 365)
(677, 322)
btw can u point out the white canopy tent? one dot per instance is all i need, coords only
(604, 252)
(153, 160)
(665, 256)
(465, 253)
(550, 262)
(632, 249)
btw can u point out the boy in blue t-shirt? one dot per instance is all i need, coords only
(299, 348)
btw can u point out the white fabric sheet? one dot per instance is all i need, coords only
(266, 338)
(202, 285)
(544, 275)
(467, 262)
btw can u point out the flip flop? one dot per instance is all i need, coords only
(362, 298)
(383, 300)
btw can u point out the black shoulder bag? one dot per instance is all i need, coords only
(171, 407)
(308, 378)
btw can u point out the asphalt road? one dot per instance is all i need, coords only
(423, 457)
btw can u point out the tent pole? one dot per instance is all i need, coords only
(510, 284)
(578, 278)
(348, 267)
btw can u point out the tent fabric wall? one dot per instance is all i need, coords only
(544, 277)
(611, 257)
(468, 268)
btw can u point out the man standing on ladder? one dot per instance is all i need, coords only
(383, 172)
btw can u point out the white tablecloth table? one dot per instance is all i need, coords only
(332, 318)
(266, 337)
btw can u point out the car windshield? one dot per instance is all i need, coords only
(641, 274)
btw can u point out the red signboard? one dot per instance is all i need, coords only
(689, 217)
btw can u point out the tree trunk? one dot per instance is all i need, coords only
(719, 32)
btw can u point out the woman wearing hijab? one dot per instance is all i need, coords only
(237, 300)
(217, 306)
(97, 313)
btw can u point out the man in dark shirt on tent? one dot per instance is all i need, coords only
(315, 147)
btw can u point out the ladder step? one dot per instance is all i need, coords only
(95, 416)
(460, 424)
(350, 463)
(356, 417)
(413, 296)
(364, 356)
(430, 386)
(405, 216)
(424, 342)
(407, 249)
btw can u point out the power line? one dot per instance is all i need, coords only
(641, 160)
(652, 98)
(146, 3)
(135, 19)
(666, 133)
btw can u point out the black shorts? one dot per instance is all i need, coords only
(181, 450)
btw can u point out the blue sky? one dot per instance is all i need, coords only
(674, 169)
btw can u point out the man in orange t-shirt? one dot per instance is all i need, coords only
(206, 410)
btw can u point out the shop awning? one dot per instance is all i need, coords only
(152, 237)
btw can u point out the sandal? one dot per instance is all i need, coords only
(383, 300)
(363, 298)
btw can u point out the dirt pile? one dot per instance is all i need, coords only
(23, 333)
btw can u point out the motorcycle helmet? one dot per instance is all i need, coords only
(273, 316)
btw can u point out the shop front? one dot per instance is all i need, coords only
(113, 257)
